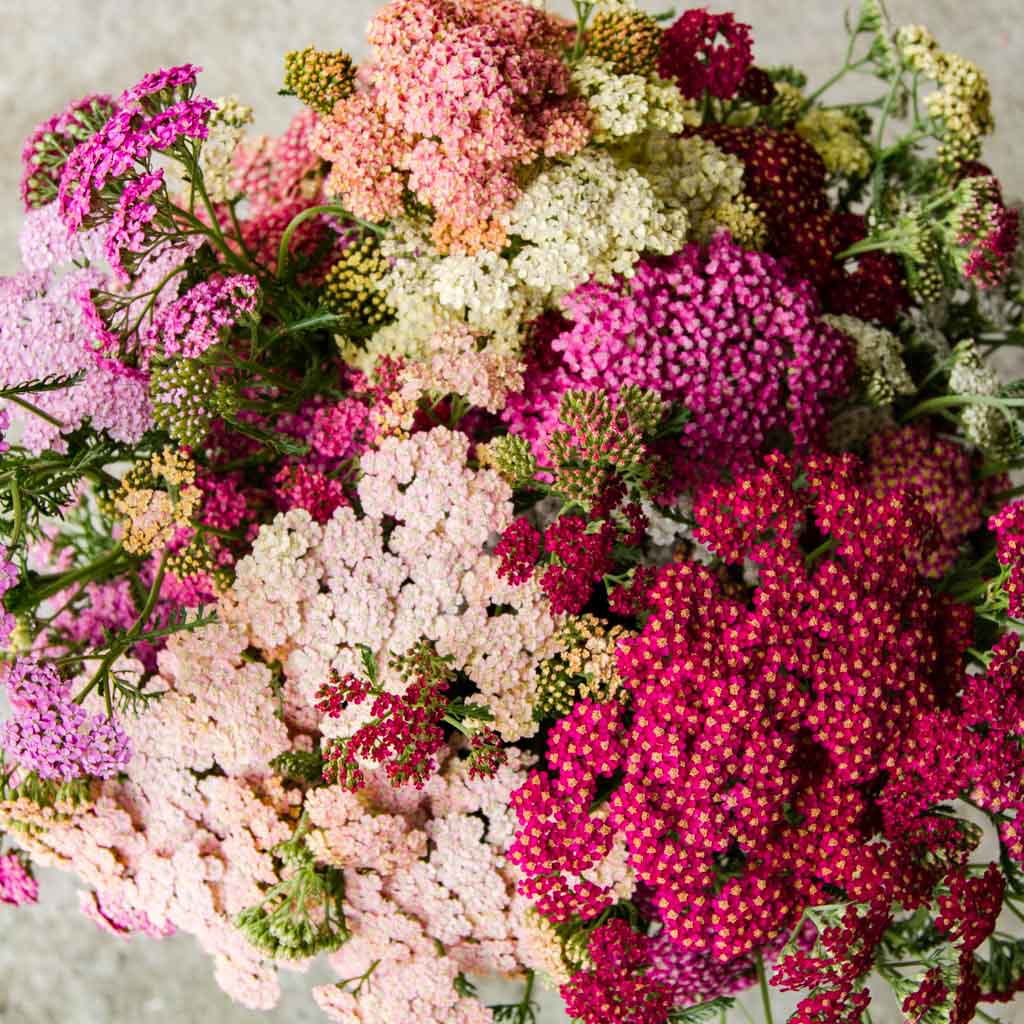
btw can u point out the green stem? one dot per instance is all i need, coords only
(47, 586)
(955, 401)
(296, 221)
(762, 982)
(19, 514)
(839, 75)
(119, 647)
(33, 408)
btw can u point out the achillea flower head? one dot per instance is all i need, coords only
(691, 54)
(17, 884)
(460, 102)
(626, 38)
(193, 323)
(51, 735)
(342, 430)
(275, 172)
(127, 231)
(162, 88)
(1008, 526)
(786, 177)
(46, 149)
(9, 577)
(995, 431)
(584, 669)
(762, 321)
(962, 103)
(721, 692)
(880, 366)
(187, 398)
(320, 78)
(874, 286)
(156, 499)
(302, 486)
(90, 179)
(43, 332)
(352, 286)
(617, 987)
(984, 232)
(940, 473)
(837, 138)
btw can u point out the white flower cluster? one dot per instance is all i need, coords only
(688, 174)
(590, 217)
(625, 105)
(987, 426)
(879, 359)
(216, 159)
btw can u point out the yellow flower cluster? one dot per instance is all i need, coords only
(837, 140)
(626, 38)
(743, 219)
(963, 101)
(155, 499)
(584, 669)
(352, 285)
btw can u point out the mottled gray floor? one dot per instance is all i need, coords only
(55, 967)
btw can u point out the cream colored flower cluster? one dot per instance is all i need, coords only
(879, 359)
(624, 105)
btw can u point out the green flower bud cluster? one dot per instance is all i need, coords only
(320, 78)
(187, 398)
(303, 915)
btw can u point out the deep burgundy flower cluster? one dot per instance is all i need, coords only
(404, 734)
(574, 553)
(692, 55)
(787, 178)
(616, 988)
(758, 727)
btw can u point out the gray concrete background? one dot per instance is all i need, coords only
(55, 966)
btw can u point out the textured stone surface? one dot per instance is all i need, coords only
(55, 967)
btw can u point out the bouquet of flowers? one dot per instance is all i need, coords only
(548, 515)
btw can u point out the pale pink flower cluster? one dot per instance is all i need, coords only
(347, 584)
(458, 366)
(169, 849)
(461, 894)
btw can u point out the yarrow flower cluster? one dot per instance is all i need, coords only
(52, 735)
(547, 515)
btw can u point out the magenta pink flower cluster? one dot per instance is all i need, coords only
(1008, 526)
(139, 128)
(9, 576)
(51, 735)
(193, 323)
(616, 988)
(798, 699)
(723, 332)
(17, 886)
